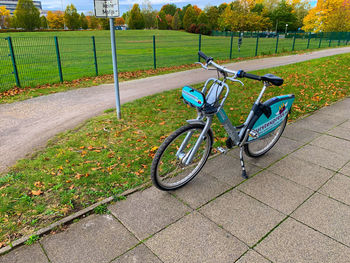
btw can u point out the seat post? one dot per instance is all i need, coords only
(266, 84)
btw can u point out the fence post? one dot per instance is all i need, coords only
(231, 45)
(58, 59)
(199, 46)
(294, 41)
(12, 54)
(154, 52)
(319, 44)
(257, 44)
(330, 40)
(277, 37)
(95, 56)
(308, 41)
(339, 37)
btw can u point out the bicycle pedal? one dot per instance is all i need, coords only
(221, 150)
(229, 143)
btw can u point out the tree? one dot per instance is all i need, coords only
(119, 21)
(283, 15)
(27, 15)
(176, 23)
(161, 20)
(169, 21)
(136, 19)
(169, 9)
(203, 18)
(71, 17)
(4, 15)
(92, 21)
(213, 15)
(189, 18)
(149, 15)
(329, 16)
(55, 19)
(43, 22)
(104, 22)
(84, 23)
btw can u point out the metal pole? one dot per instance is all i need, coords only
(154, 52)
(293, 42)
(199, 46)
(12, 54)
(330, 40)
(115, 67)
(95, 56)
(257, 44)
(308, 41)
(231, 45)
(319, 44)
(58, 59)
(277, 37)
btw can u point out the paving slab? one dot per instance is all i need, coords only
(252, 257)
(327, 216)
(346, 169)
(195, 239)
(146, 212)
(227, 168)
(264, 161)
(201, 190)
(333, 144)
(140, 254)
(304, 173)
(345, 125)
(275, 191)
(97, 238)
(338, 188)
(296, 132)
(294, 242)
(327, 118)
(340, 132)
(25, 254)
(243, 216)
(286, 145)
(340, 108)
(322, 157)
(317, 126)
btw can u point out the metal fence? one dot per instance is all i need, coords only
(32, 61)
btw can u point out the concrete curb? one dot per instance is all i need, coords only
(69, 218)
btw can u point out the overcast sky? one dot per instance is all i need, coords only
(124, 5)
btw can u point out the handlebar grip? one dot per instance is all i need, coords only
(204, 56)
(242, 74)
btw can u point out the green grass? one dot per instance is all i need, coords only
(106, 156)
(36, 57)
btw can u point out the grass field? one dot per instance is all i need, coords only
(36, 57)
(106, 156)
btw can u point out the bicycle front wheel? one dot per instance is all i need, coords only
(261, 146)
(168, 170)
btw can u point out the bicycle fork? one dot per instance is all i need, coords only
(187, 159)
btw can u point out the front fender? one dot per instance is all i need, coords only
(195, 121)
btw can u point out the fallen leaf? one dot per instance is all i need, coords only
(38, 192)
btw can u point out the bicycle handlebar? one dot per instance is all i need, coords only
(242, 74)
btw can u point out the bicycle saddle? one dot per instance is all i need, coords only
(277, 81)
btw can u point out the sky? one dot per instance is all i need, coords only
(125, 5)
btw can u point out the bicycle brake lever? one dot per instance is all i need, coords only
(236, 80)
(202, 65)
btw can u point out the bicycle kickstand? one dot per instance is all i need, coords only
(244, 172)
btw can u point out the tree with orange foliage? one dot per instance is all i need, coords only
(4, 15)
(55, 19)
(328, 16)
(119, 21)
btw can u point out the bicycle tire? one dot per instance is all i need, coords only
(254, 148)
(162, 159)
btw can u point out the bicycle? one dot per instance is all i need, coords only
(183, 154)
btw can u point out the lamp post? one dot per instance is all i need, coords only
(286, 29)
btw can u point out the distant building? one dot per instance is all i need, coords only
(12, 4)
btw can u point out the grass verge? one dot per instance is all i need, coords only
(106, 156)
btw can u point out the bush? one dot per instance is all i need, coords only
(192, 28)
(204, 29)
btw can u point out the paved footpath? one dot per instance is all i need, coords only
(294, 208)
(28, 125)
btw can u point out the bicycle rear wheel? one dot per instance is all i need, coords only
(261, 146)
(168, 171)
